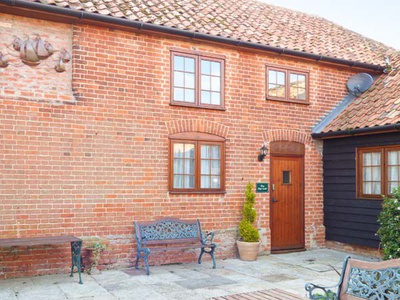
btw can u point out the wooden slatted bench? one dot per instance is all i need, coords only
(362, 280)
(76, 246)
(171, 234)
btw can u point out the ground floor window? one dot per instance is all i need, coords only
(197, 163)
(378, 171)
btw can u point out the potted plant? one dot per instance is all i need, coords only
(94, 247)
(249, 238)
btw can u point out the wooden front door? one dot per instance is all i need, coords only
(287, 203)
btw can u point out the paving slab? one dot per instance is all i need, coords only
(189, 281)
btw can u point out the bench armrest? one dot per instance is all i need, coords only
(318, 292)
(207, 238)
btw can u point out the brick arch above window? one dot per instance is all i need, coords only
(204, 126)
(287, 135)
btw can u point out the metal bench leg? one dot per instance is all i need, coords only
(137, 261)
(76, 248)
(201, 254)
(146, 261)
(213, 258)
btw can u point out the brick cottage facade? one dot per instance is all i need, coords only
(88, 151)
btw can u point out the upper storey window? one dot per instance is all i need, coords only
(197, 80)
(287, 85)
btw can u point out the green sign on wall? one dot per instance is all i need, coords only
(262, 187)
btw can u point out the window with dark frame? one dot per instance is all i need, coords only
(287, 85)
(197, 165)
(197, 80)
(378, 171)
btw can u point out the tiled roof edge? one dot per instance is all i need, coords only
(80, 16)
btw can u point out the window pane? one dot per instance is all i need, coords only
(189, 182)
(205, 67)
(286, 177)
(205, 151)
(376, 159)
(393, 173)
(189, 64)
(215, 98)
(301, 94)
(189, 80)
(189, 166)
(367, 174)
(205, 97)
(281, 78)
(367, 188)
(272, 77)
(178, 181)
(178, 150)
(392, 185)
(205, 182)
(178, 63)
(215, 182)
(205, 82)
(271, 90)
(215, 152)
(189, 150)
(376, 174)
(216, 84)
(215, 168)
(189, 95)
(366, 159)
(293, 79)
(280, 91)
(216, 68)
(393, 157)
(178, 166)
(376, 188)
(179, 79)
(179, 94)
(205, 166)
(301, 81)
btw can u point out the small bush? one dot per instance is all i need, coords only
(389, 230)
(247, 232)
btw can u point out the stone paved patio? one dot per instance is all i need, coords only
(186, 281)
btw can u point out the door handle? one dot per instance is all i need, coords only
(273, 186)
(274, 200)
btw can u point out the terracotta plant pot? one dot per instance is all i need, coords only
(248, 251)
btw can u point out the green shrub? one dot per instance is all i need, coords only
(247, 232)
(389, 230)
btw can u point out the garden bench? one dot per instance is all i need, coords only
(76, 246)
(362, 280)
(171, 234)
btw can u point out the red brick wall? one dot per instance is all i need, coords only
(93, 167)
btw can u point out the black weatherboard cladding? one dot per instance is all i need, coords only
(346, 218)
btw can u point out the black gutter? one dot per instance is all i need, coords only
(81, 16)
(357, 131)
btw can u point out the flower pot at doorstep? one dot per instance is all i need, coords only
(248, 251)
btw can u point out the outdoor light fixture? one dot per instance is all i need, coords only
(263, 152)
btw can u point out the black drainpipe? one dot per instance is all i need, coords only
(357, 131)
(80, 16)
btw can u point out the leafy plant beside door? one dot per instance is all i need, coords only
(389, 230)
(249, 238)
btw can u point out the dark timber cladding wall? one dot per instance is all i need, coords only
(348, 219)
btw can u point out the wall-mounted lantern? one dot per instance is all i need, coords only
(263, 152)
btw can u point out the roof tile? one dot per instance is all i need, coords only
(247, 20)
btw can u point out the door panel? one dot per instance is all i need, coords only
(287, 203)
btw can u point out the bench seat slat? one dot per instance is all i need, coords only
(15, 242)
(173, 248)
